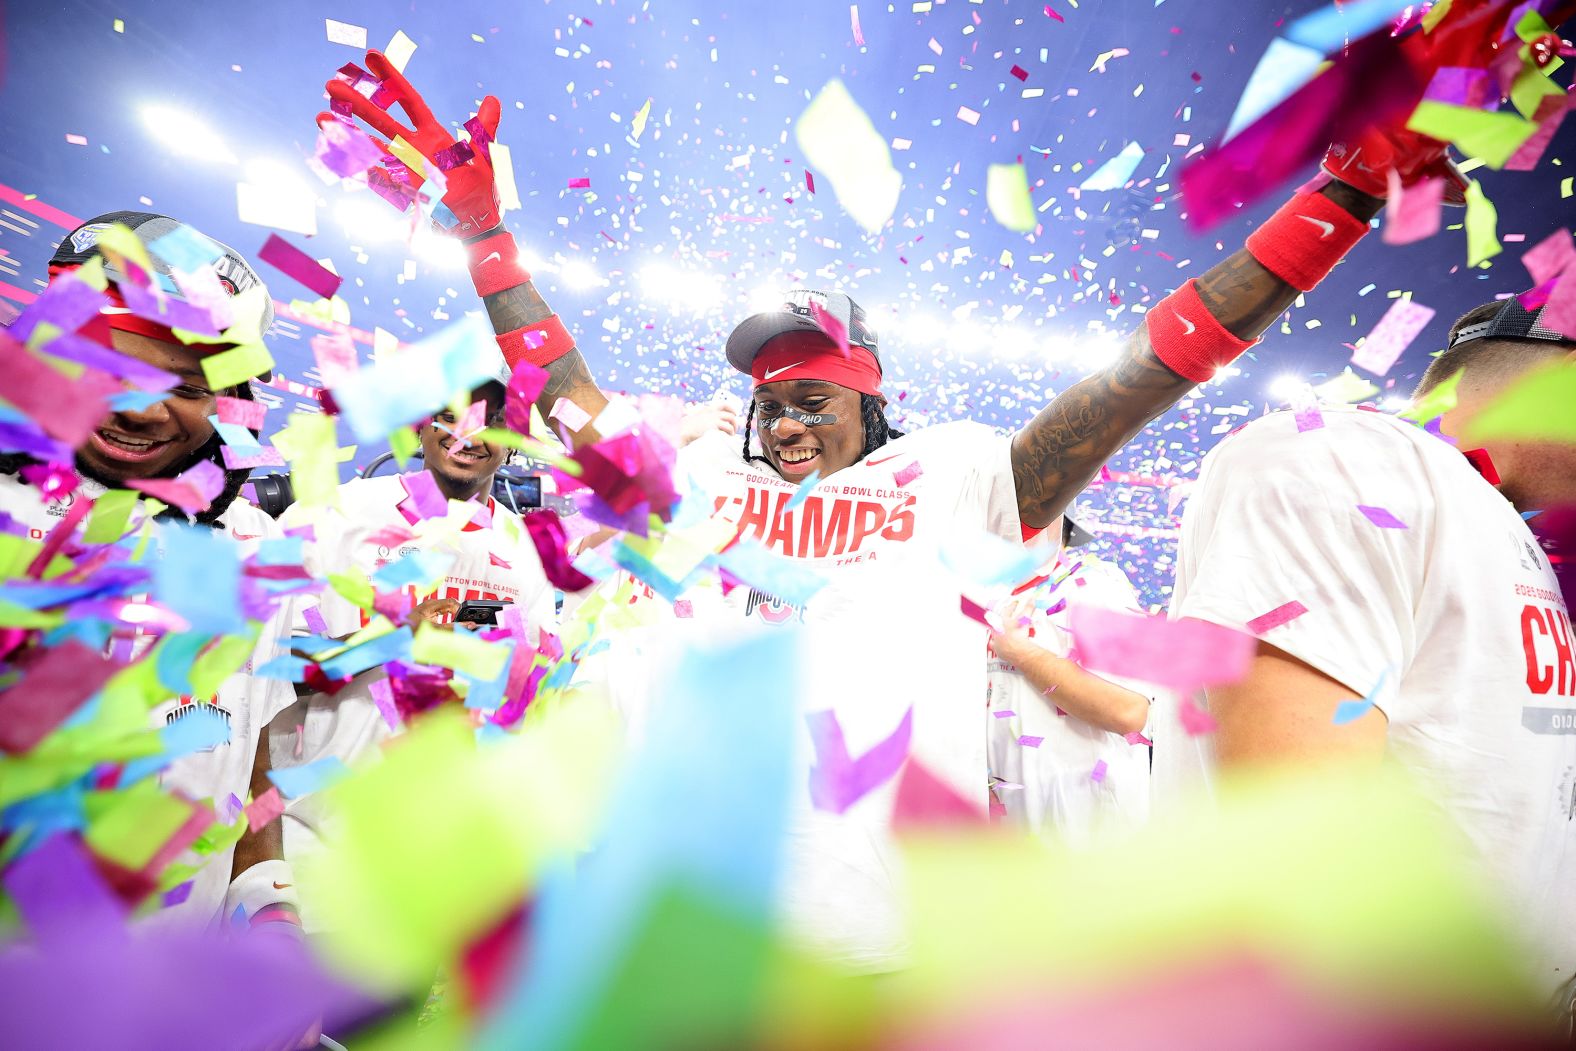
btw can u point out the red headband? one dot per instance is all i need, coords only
(855, 368)
(98, 327)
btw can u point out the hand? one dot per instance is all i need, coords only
(711, 416)
(1367, 162)
(472, 189)
(439, 612)
(1013, 642)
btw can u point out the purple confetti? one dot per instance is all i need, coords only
(1380, 517)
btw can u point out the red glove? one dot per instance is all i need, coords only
(1366, 162)
(472, 189)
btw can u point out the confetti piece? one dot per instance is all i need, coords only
(296, 781)
(903, 475)
(230, 368)
(1392, 335)
(1552, 264)
(264, 809)
(399, 50)
(638, 124)
(1030, 741)
(1330, 27)
(925, 801)
(1482, 222)
(838, 780)
(1535, 407)
(279, 205)
(1283, 68)
(1276, 617)
(1007, 194)
(853, 21)
(1181, 654)
(199, 578)
(1195, 720)
(397, 391)
(841, 143)
(1097, 775)
(292, 262)
(347, 34)
(1492, 137)
(1380, 517)
(807, 486)
(580, 183)
(54, 683)
(461, 651)
(1115, 173)
(1412, 213)
(569, 414)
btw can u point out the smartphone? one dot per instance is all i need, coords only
(479, 611)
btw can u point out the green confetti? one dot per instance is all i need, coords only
(1482, 226)
(1536, 407)
(110, 517)
(1436, 402)
(841, 143)
(459, 650)
(1481, 133)
(1007, 194)
(135, 823)
(230, 368)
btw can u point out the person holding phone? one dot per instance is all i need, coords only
(491, 563)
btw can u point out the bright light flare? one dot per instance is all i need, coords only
(683, 289)
(579, 274)
(184, 134)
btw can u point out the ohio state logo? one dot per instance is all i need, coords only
(771, 609)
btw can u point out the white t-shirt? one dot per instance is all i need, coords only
(1460, 612)
(497, 562)
(1046, 761)
(245, 701)
(886, 633)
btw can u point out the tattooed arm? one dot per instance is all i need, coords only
(568, 377)
(1062, 448)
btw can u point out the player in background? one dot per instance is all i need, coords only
(1433, 633)
(491, 557)
(894, 660)
(161, 440)
(1067, 753)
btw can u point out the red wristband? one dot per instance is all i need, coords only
(1303, 241)
(494, 263)
(275, 914)
(1186, 336)
(541, 344)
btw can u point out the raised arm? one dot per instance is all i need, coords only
(527, 329)
(1183, 339)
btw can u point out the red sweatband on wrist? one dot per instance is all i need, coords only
(494, 263)
(1303, 241)
(276, 914)
(1186, 336)
(541, 344)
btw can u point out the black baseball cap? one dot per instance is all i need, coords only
(1513, 321)
(753, 333)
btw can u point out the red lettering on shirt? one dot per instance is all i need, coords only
(1550, 647)
(818, 542)
(900, 523)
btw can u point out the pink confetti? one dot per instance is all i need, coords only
(838, 780)
(569, 414)
(234, 461)
(292, 262)
(907, 474)
(383, 697)
(1276, 617)
(853, 18)
(1097, 775)
(581, 183)
(1554, 260)
(1179, 654)
(1550, 112)
(1005, 713)
(682, 609)
(809, 181)
(1049, 13)
(1196, 720)
(1030, 741)
(314, 620)
(264, 809)
(1381, 518)
(968, 116)
(243, 412)
(1020, 72)
(1394, 333)
(1411, 213)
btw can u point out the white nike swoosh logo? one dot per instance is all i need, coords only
(492, 257)
(1190, 326)
(1322, 224)
(778, 372)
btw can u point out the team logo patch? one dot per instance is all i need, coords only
(88, 236)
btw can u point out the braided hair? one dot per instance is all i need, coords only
(871, 412)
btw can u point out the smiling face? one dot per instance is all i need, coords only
(794, 449)
(464, 468)
(155, 441)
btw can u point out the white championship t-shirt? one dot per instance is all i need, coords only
(884, 634)
(243, 700)
(1053, 774)
(1459, 613)
(497, 562)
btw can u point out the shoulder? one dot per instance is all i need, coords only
(962, 441)
(1350, 444)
